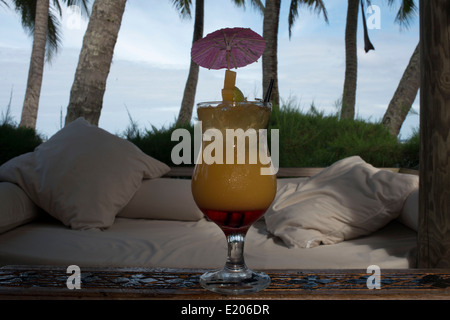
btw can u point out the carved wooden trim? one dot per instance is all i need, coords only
(142, 283)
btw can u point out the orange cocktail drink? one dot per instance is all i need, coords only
(230, 186)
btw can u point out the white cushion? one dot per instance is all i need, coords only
(16, 208)
(82, 175)
(163, 199)
(409, 215)
(347, 200)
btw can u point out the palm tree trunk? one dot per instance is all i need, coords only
(270, 57)
(351, 61)
(36, 70)
(404, 96)
(88, 89)
(187, 104)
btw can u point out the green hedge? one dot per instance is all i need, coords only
(15, 141)
(306, 139)
(309, 139)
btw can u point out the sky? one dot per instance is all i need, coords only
(152, 57)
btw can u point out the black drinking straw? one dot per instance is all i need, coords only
(269, 91)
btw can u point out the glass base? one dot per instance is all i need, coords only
(234, 282)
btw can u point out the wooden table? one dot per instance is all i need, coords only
(47, 282)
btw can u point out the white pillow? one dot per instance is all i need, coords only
(163, 199)
(410, 212)
(16, 208)
(82, 175)
(349, 199)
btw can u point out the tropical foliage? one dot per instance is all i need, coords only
(308, 138)
(39, 19)
(86, 98)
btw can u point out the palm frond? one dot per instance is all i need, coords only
(4, 3)
(315, 5)
(27, 12)
(57, 6)
(82, 4)
(54, 37)
(239, 3)
(183, 7)
(367, 43)
(258, 5)
(406, 12)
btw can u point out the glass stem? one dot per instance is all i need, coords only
(235, 259)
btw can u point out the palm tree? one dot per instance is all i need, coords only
(35, 73)
(404, 96)
(407, 8)
(88, 88)
(270, 34)
(187, 104)
(184, 6)
(351, 58)
(351, 61)
(39, 19)
(409, 84)
(270, 54)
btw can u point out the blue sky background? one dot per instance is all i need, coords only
(152, 56)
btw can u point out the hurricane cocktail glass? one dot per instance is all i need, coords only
(233, 184)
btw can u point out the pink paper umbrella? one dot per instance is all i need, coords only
(228, 48)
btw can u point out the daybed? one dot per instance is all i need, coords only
(89, 198)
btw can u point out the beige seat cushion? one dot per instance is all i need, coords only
(347, 200)
(163, 199)
(16, 208)
(82, 175)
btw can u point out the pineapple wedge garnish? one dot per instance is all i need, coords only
(228, 86)
(230, 92)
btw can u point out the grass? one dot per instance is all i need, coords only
(306, 139)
